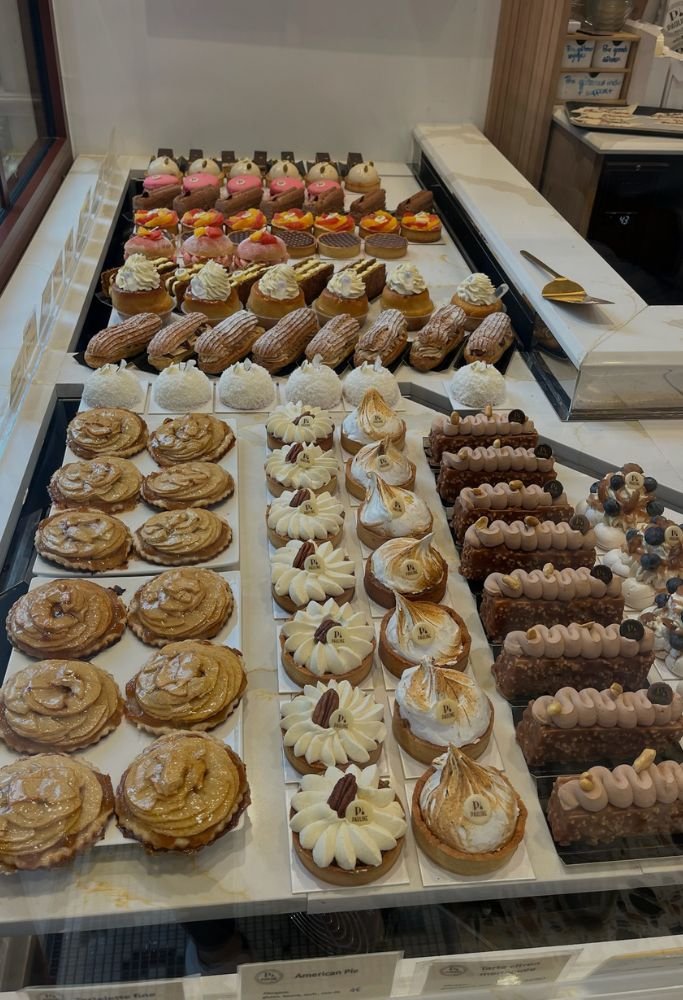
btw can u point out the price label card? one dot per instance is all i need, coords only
(69, 253)
(155, 990)
(366, 976)
(58, 276)
(45, 309)
(644, 963)
(30, 335)
(450, 977)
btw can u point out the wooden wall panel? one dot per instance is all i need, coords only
(525, 69)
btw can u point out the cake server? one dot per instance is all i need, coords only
(564, 289)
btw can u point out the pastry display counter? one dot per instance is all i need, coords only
(253, 870)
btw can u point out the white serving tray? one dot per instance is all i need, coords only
(113, 754)
(227, 509)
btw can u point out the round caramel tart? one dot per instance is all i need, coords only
(325, 642)
(191, 484)
(58, 705)
(181, 793)
(302, 572)
(53, 807)
(182, 537)
(192, 437)
(186, 685)
(106, 430)
(106, 483)
(296, 423)
(372, 420)
(86, 540)
(301, 466)
(391, 512)
(66, 618)
(383, 458)
(333, 724)
(467, 817)
(304, 516)
(415, 629)
(348, 827)
(436, 707)
(410, 566)
(186, 603)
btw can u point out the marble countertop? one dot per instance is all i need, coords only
(511, 215)
(621, 143)
(250, 874)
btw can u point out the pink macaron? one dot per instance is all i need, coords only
(318, 188)
(283, 184)
(245, 182)
(155, 181)
(193, 182)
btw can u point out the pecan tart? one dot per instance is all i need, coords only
(187, 603)
(52, 807)
(190, 438)
(182, 793)
(87, 540)
(106, 430)
(347, 827)
(107, 483)
(182, 537)
(59, 705)
(186, 685)
(66, 618)
(192, 484)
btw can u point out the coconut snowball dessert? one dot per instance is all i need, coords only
(648, 558)
(302, 572)
(477, 297)
(297, 423)
(436, 708)
(301, 466)
(383, 459)
(113, 385)
(619, 501)
(332, 640)
(414, 630)
(467, 817)
(246, 386)
(347, 827)
(371, 376)
(182, 387)
(371, 421)
(303, 515)
(332, 725)
(391, 512)
(314, 384)
(478, 385)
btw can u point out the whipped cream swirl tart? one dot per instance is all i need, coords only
(578, 726)
(302, 515)
(467, 817)
(391, 512)
(348, 827)
(327, 641)
(413, 567)
(498, 547)
(436, 707)
(371, 421)
(549, 596)
(305, 571)
(414, 630)
(332, 725)
(499, 463)
(544, 659)
(301, 466)
(509, 502)
(384, 459)
(297, 423)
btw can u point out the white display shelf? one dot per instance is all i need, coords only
(125, 886)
